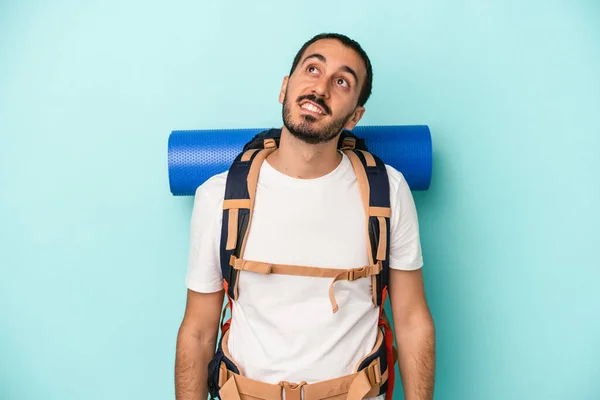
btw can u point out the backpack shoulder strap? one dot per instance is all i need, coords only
(238, 203)
(240, 191)
(374, 187)
(373, 182)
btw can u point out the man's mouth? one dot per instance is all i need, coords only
(312, 107)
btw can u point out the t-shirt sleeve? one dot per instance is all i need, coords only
(405, 242)
(204, 268)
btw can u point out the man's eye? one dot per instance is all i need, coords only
(342, 82)
(312, 69)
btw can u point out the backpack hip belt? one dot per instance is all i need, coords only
(374, 375)
(369, 379)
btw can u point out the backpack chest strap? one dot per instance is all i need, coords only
(337, 274)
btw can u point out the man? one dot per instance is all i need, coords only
(308, 211)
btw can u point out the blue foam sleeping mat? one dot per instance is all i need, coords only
(196, 155)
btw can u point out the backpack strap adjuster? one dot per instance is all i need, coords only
(270, 144)
(349, 143)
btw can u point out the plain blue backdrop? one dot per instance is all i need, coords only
(93, 248)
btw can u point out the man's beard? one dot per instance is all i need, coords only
(304, 130)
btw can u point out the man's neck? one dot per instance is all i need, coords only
(301, 160)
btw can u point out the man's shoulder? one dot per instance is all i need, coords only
(213, 189)
(398, 184)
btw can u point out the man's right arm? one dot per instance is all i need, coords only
(196, 344)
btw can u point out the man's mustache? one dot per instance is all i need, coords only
(316, 100)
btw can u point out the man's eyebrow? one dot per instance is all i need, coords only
(351, 72)
(344, 68)
(318, 56)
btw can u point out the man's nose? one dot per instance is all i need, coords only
(321, 87)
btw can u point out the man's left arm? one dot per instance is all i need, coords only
(415, 333)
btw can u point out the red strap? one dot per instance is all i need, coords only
(389, 346)
(383, 297)
(225, 326)
(389, 343)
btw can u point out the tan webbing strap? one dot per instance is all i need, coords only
(381, 250)
(297, 270)
(250, 266)
(369, 158)
(248, 155)
(359, 387)
(232, 228)
(236, 203)
(380, 212)
(384, 376)
(292, 391)
(230, 390)
(351, 275)
(365, 192)
(223, 374)
(252, 181)
(374, 373)
(234, 210)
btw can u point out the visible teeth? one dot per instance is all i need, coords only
(312, 108)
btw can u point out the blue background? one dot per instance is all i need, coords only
(93, 248)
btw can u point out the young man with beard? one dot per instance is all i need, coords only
(308, 212)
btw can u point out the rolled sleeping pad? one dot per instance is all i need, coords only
(196, 155)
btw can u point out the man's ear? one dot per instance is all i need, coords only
(283, 89)
(355, 117)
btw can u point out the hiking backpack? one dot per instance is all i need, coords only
(238, 205)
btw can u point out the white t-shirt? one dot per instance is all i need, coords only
(283, 327)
